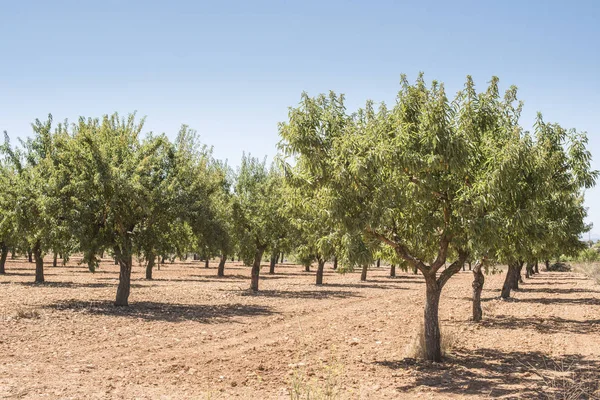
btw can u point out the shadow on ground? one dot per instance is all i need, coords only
(77, 285)
(302, 294)
(491, 373)
(168, 312)
(547, 325)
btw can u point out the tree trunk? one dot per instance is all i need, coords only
(206, 263)
(221, 267)
(335, 263)
(273, 262)
(3, 256)
(378, 262)
(519, 276)
(393, 270)
(431, 325)
(116, 261)
(470, 266)
(307, 268)
(320, 269)
(55, 260)
(149, 266)
(529, 270)
(536, 269)
(39, 262)
(478, 281)
(29, 256)
(281, 259)
(415, 270)
(124, 257)
(13, 254)
(547, 262)
(511, 280)
(363, 274)
(256, 270)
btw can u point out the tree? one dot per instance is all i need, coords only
(316, 238)
(36, 219)
(7, 217)
(113, 180)
(410, 177)
(255, 213)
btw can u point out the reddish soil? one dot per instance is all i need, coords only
(190, 335)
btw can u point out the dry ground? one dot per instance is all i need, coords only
(190, 335)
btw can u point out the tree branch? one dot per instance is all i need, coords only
(452, 269)
(401, 250)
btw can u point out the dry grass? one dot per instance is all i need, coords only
(416, 348)
(565, 381)
(590, 269)
(305, 385)
(23, 313)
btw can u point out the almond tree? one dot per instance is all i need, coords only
(7, 216)
(409, 177)
(35, 192)
(113, 176)
(255, 212)
(316, 236)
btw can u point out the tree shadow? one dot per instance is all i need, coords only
(203, 278)
(557, 290)
(546, 283)
(545, 325)
(588, 301)
(302, 294)
(492, 373)
(76, 285)
(167, 312)
(367, 285)
(398, 278)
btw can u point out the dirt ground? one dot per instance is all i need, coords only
(191, 335)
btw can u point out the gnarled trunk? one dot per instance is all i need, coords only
(55, 260)
(478, 281)
(363, 273)
(124, 258)
(149, 266)
(519, 276)
(529, 270)
(378, 262)
(320, 268)
(547, 262)
(3, 256)
(256, 269)
(306, 267)
(29, 255)
(335, 263)
(281, 259)
(431, 325)
(511, 281)
(221, 267)
(39, 262)
(206, 263)
(393, 270)
(536, 268)
(273, 263)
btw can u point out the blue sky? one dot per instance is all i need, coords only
(230, 69)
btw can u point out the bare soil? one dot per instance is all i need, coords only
(191, 335)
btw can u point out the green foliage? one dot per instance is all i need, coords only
(256, 214)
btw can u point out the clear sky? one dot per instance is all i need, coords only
(230, 69)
